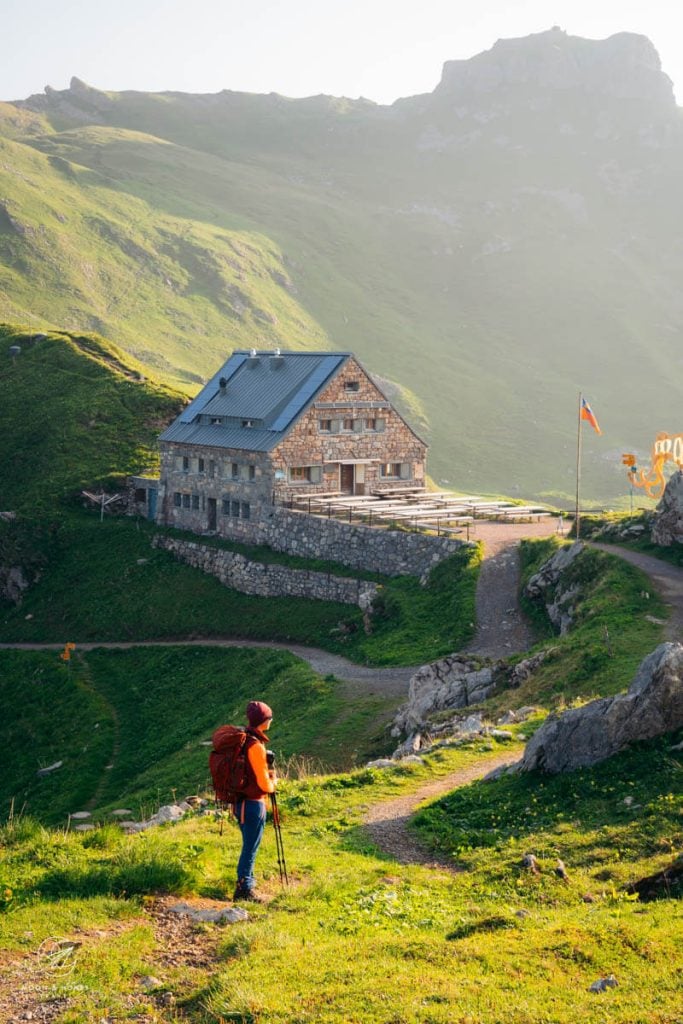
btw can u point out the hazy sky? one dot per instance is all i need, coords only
(380, 49)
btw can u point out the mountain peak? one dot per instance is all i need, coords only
(623, 66)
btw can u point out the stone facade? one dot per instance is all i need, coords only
(350, 439)
(268, 579)
(215, 490)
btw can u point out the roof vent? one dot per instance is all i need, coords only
(277, 360)
(223, 383)
(253, 359)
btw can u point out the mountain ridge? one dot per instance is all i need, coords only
(491, 257)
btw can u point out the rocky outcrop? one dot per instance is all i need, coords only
(652, 706)
(548, 586)
(13, 583)
(667, 524)
(450, 683)
(624, 66)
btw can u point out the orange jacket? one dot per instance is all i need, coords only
(263, 776)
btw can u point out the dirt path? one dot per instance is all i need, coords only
(502, 630)
(389, 681)
(667, 580)
(387, 822)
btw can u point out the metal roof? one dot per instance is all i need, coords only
(273, 389)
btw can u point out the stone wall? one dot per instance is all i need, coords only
(268, 579)
(390, 552)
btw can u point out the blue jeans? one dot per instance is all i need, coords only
(251, 817)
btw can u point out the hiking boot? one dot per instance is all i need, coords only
(243, 892)
(247, 895)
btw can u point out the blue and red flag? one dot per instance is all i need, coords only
(588, 414)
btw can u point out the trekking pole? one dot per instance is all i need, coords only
(282, 866)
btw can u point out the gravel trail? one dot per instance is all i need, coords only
(387, 822)
(667, 580)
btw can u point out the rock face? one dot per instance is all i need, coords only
(667, 526)
(625, 66)
(13, 583)
(452, 682)
(547, 586)
(584, 736)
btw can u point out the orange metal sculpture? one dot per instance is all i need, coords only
(666, 448)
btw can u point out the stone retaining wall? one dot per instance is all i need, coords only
(390, 552)
(268, 579)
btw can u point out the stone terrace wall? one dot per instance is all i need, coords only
(391, 552)
(267, 579)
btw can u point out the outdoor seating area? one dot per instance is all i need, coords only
(417, 508)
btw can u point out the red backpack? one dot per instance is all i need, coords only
(228, 763)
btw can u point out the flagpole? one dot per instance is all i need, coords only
(577, 519)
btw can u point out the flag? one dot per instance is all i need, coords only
(587, 414)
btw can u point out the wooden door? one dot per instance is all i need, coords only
(346, 479)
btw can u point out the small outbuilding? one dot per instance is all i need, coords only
(271, 426)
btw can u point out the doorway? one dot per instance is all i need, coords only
(346, 479)
(211, 506)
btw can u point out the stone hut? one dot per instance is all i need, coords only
(271, 426)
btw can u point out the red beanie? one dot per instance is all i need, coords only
(257, 713)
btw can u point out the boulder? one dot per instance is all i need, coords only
(452, 682)
(652, 706)
(667, 524)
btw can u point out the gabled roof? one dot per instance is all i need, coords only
(269, 390)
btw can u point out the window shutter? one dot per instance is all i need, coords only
(335, 426)
(316, 474)
(357, 426)
(380, 424)
(404, 471)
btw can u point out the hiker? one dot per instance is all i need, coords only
(250, 807)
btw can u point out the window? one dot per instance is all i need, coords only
(195, 502)
(247, 423)
(216, 421)
(177, 499)
(351, 385)
(212, 469)
(371, 424)
(325, 426)
(305, 474)
(186, 500)
(140, 495)
(246, 510)
(200, 465)
(234, 470)
(226, 506)
(186, 464)
(390, 469)
(235, 509)
(347, 424)
(252, 472)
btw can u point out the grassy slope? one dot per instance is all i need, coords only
(611, 634)
(73, 413)
(103, 581)
(360, 939)
(146, 714)
(186, 220)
